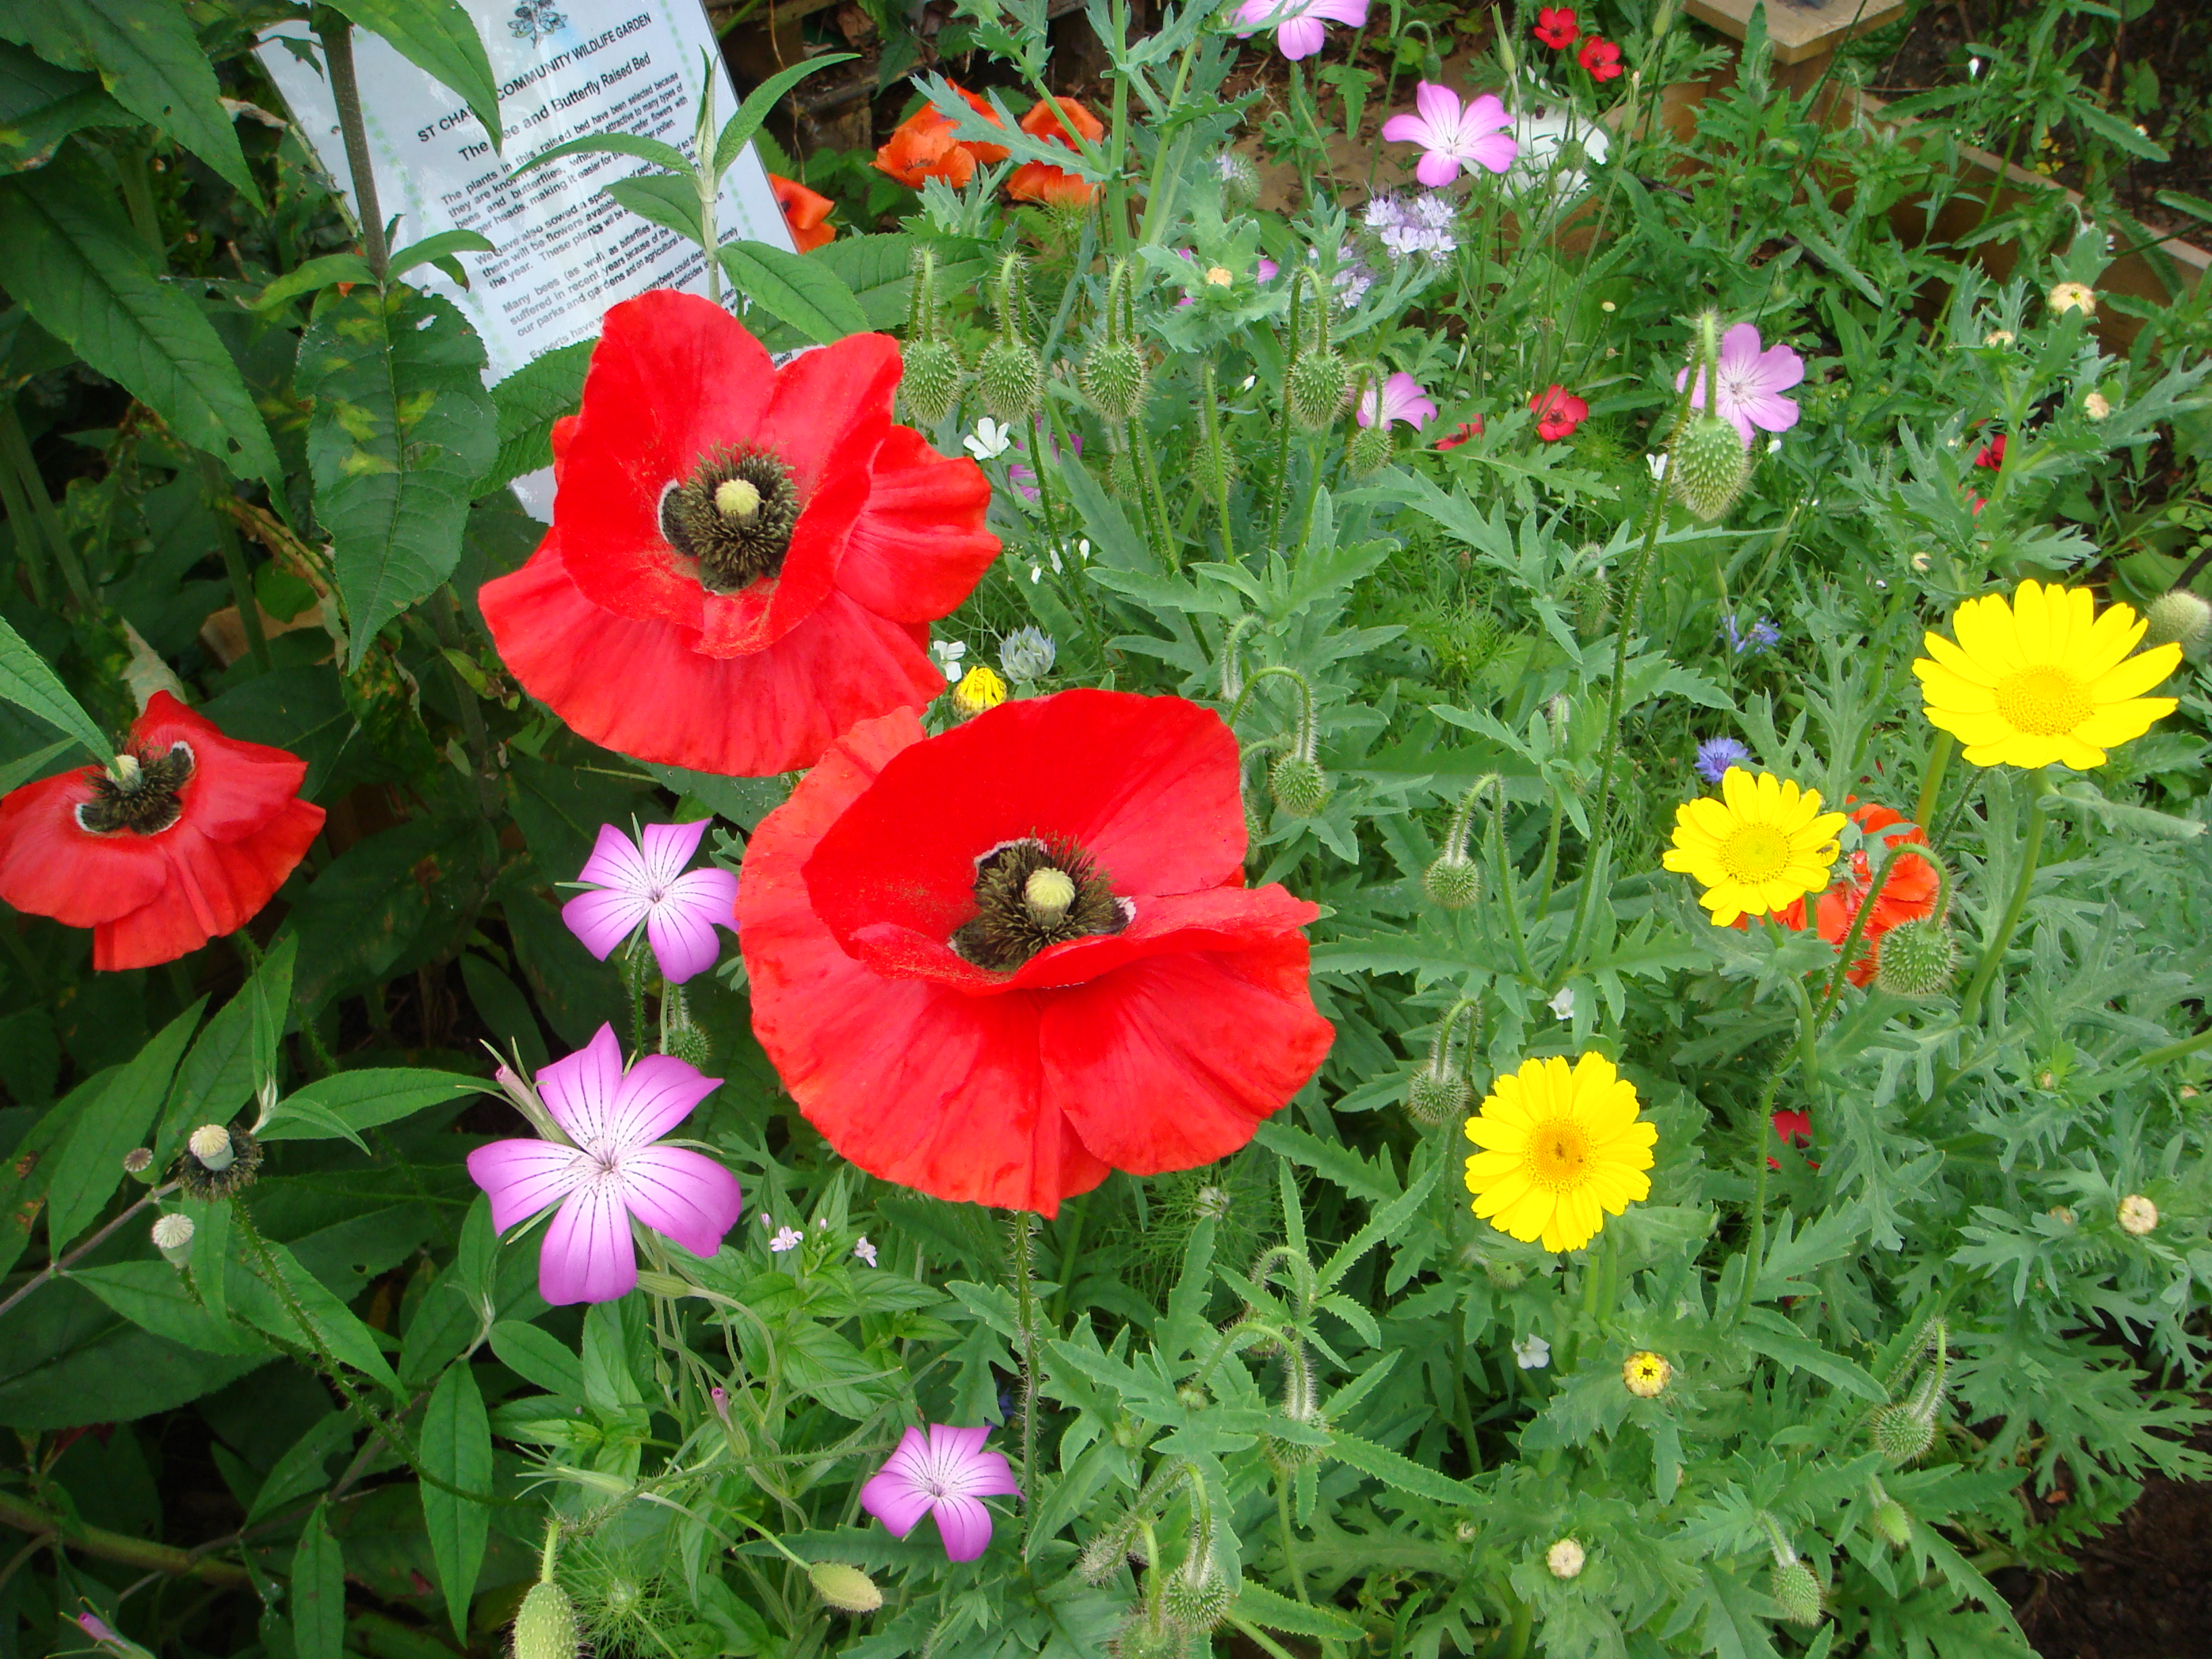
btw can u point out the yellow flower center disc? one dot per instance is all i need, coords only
(1558, 1152)
(1755, 851)
(2043, 702)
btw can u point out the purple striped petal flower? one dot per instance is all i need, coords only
(1752, 382)
(648, 886)
(611, 1173)
(1454, 139)
(1300, 26)
(946, 1473)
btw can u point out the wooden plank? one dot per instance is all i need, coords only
(1799, 29)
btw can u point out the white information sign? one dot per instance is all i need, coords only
(564, 68)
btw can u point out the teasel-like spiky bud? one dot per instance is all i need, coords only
(1438, 1094)
(1009, 373)
(1891, 1523)
(1918, 958)
(1453, 881)
(1318, 379)
(1113, 372)
(1795, 1589)
(1368, 449)
(930, 378)
(1299, 786)
(1710, 465)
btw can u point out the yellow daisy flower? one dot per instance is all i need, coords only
(2043, 679)
(1561, 1149)
(1759, 849)
(1647, 1373)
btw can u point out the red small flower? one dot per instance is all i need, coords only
(1794, 1129)
(1600, 57)
(743, 560)
(996, 964)
(923, 147)
(1991, 454)
(1909, 894)
(1557, 26)
(1462, 432)
(1558, 412)
(804, 211)
(188, 839)
(1037, 181)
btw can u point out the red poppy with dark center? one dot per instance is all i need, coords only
(1600, 57)
(743, 560)
(1557, 26)
(804, 212)
(996, 964)
(1557, 413)
(923, 147)
(1037, 181)
(1991, 454)
(188, 838)
(1462, 432)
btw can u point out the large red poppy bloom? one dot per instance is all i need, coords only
(743, 560)
(996, 964)
(190, 835)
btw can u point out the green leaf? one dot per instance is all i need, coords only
(401, 430)
(744, 801)
(804, 293)
(614, 143)
(69, 255)
(529, 401)
(91, 1165)
(236, 1051)
(279, 1306)
(456, 1448)
(739, 129)
(152, 1295)
(443, 246)
(2196, 206)
(1764, 1331)
(27, 682)
(344, 1104)
(313, 277)
(538, 1356)
(304, 1466)
(150, 61)
(17, 773)
(40, 105)
(1332, 1158)
(1258, 1605)
(667, 199)
(1392, 1468)
(318, 1591)
(439, 38)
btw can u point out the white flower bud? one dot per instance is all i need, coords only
(1565, 1558)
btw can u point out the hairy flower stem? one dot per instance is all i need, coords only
(1931, 782)
(1216, 463)
(1508, 886)
(336, 35)
(1026, 1295)
(1290, 1535)
(1850, 946)
(2034, 788)
(1280, 485)
(1307, 739)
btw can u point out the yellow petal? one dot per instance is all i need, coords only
(2137, 675)
(1958, 662)
(1986, 633)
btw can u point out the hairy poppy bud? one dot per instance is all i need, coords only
(1901, 1434)
(2178, 618)
(1796, 1591)
(1010, 378)
(172, 1237)
(1314, 389)
(1113, 379)
(1710, 465)
(1917, 959)
(1122, 476)
(1138, 1639)
(932, 383)
(689, 1044)
(1198, 1603)
(1452, 884)
(1432, 1100)
(545, 1628)
(1369, 449)
(1299, 786)
(1893, 1525)
(844, 1587)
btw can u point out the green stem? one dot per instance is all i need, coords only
(1141, 448)
(2034, 786)
(336, 35)
(1117, 183)
(234, 564)
(2187, 1046)
(1290, 1535)
(1755, 1251)
(1508, 893)
(1170, 154)
(1931, 781)
(1216, 463)
(1525, 1619)
(28, 535)
(1897, 851)
(15, 455)
(1025, 1294)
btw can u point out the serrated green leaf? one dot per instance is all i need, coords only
(1395, 1469)
(804, 293)
(91, 1163)
(401, 430)
(456, 1448)
(27, 682)
(1258, 1605)
(318, 1591)
(529, 401)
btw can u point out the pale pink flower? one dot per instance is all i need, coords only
(1398, 399)
(1300, 26)
(612, 1172)
(1455, 139)
(647, 886)
(946, 1472)
(1752, 382)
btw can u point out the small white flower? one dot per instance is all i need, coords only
(864, 1251)
(1082, 547)
(1037, 574)
(948, 653)
(2098, 405)
(1774, 444)
(1564, 1003)
(1531, 1352)
(1656, 460)
(1974, 69)
(990, 440)
(1250, 380)
(1564, 1558)
(786, 1238)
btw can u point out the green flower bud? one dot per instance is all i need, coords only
(1796, 1591)
(1917, 959)
(1240, 180)
(1369, 449)
(1197, 1605)
(1011, 380)
(545, 1628)
(1452, 884)
(1891, 1524)
(1113, 379)
(932, 382)
(1121, 477)
(844, 1587)
(689, 1044)
(1709, 465)
(2178, 618)
(1314, 389)
(1431, 1100)
(1138, 1639)
(1901, 1434)
(1299, 786)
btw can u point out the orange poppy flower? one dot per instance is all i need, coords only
(923, 147)
(1040, 182)
(804, 211)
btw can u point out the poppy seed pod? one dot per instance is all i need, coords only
(2180, 617)
(1314, 388)
(931, 383)
(1917, 959)
(1710, 465)
(1299, 786)
(1112, 378)
(545, 1627)
(1796, 1591)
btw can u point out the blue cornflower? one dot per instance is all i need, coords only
(1717, 755)
(1026, 655)
(1762, 636)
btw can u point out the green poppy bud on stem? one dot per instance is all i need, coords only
(2178, 618)
(1710, 465)
(1918, 959)
(1453, 881)
(1369, 449)
(1011, 380)
(1112, 378)
(932, 382)
(1796, 1591)
(545, 1628)
(1316, 387)
(1299, 786)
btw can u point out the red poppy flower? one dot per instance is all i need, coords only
(743, 560)
(923, 147)
(1600, 57)
(1038, 181)
(1909, 893)
(190, 835)
(996, 964)
(1557, 26)
(1794, 1129)
(1462, 432)
(1991, 454)
(804, 212)
(1558, 412)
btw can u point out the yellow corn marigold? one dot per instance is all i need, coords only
(1562, 1149)
(1763, 845)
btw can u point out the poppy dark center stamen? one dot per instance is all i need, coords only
(140, 795)
(732, 518)
(1030, 895)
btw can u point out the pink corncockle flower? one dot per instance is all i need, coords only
(1300, 26)
(1455, 139)
(1751, 383)
(611, 1172)
(946, 1472)
(648, 886)
(1557, 413)
(1398, 399)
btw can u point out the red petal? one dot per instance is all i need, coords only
(51, 867)
(1173, 1061)
(236, 787)
(644, 689)
(1145, 786)
(213, 887)
(918, 547)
